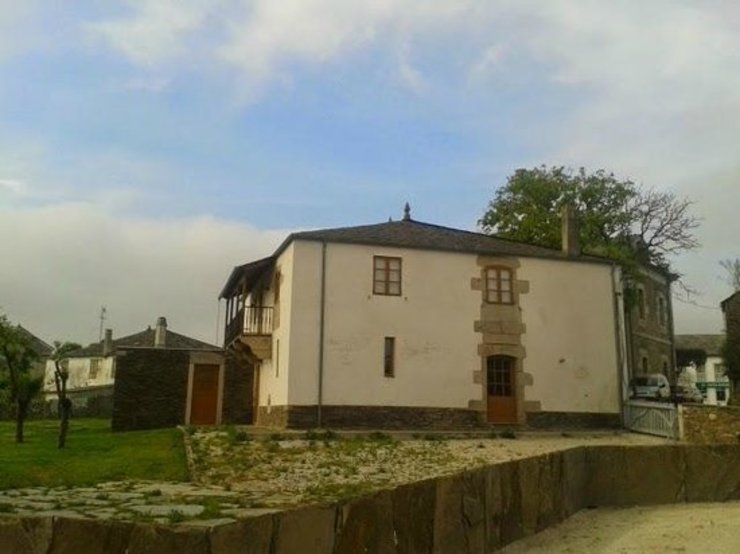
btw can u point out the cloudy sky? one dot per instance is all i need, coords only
(147, 146)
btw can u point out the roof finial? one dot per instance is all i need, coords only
(407, 212)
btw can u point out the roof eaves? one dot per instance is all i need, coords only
(237, 272)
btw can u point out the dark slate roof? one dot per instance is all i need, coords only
(426, 236)
(145, 339)
(40, 347)
(709, 344)
(408, 233)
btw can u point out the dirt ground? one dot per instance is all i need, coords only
(685, 528)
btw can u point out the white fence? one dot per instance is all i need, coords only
(654, 418)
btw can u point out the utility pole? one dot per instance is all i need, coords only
(103, 312)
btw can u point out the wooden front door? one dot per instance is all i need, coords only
(204, 398)
(501, 389)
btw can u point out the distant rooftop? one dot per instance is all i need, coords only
(145, 339)
(710, 344)
(37, 345)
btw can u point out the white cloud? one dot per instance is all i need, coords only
(17, 30)
(265, 40)
(157, 31)
(12, 185)
(67, 260)
(410, 76)
(148, 84)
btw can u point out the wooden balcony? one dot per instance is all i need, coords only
(251, 331)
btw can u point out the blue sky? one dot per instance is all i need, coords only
(148, 146)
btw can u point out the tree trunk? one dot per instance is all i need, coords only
(65, 408)
(20, 417)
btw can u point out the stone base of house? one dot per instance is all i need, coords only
(368, 417)
(412, 417)
(574, 420)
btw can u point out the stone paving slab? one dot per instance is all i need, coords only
(128, 501)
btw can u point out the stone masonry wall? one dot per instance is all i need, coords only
(711, 424)
(368, 417)
(150, 390)
(473, 512)
(238, 400)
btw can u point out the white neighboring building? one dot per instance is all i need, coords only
(408, 324)
(711, 377)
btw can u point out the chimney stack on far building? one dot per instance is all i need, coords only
(571, 241)
(108, 342)
(160, 332)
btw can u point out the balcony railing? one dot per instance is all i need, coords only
(258, 320)
(252, 320)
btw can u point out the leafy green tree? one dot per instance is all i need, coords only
(17, 358)
(61, 376)
(618, 218)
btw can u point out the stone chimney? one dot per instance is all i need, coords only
(570, 234)
(160, 332)
(108, 342)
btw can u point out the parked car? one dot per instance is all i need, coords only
(653, 386)
(686, 393)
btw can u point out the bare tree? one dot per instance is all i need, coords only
(61, 375)
(663, 223)
(732, 267)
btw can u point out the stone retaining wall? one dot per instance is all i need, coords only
(476, 511)
(711, 424)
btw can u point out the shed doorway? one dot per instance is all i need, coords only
(501, 389)
(204, 399)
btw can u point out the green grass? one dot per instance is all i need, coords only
(93, 454)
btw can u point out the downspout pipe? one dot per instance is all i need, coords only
(322, 318)
(620, 336)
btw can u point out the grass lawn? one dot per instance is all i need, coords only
(93, 454)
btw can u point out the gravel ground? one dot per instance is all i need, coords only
(283, 470)
(685, 528)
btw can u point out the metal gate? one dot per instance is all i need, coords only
(653, 418)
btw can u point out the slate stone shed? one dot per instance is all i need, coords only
(164, 379)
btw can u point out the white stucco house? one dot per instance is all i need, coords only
(410, 324)
(710, 376)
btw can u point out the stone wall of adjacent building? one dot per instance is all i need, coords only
(150, 390)
(711, 424)
(473, 512)
(648, 337)
(238, 399)
(731, 309)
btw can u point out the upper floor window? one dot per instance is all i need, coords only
(498, 285)
(661, 310)
(641, 302)
(387, 276)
